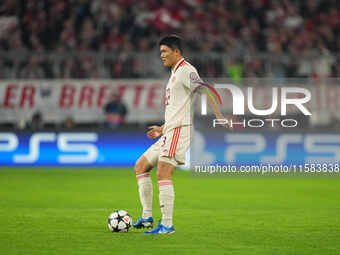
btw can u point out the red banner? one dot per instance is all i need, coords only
(84, 100)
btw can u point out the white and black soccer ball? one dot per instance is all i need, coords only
(119, 221)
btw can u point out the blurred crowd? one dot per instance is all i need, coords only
(118, 38)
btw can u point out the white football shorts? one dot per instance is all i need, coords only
(171, 147)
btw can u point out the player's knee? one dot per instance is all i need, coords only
(141, 166)
(138, 167)
(161, 176)
(164, 171)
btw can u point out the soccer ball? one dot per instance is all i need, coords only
(119, 221)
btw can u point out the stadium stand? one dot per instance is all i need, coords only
(118, 39)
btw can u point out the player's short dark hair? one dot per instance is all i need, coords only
(172, 41)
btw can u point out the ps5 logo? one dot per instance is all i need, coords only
(316, 148)
(74, 148)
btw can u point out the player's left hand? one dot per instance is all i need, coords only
(154, 132)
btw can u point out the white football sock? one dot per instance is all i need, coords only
(166, 200)
(145, 193)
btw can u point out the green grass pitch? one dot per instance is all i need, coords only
(64, 211)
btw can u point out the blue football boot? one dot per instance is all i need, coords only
(161, 229)
(143, 223)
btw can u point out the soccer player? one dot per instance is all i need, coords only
(174, 138)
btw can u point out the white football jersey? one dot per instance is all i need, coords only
(179, 95)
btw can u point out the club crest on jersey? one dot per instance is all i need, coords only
(193, 76)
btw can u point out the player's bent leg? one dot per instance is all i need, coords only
(165, 170)
(142, 166)
(142, 169)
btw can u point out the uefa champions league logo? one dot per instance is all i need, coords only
(238, 99)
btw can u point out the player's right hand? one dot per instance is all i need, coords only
(154, 132)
